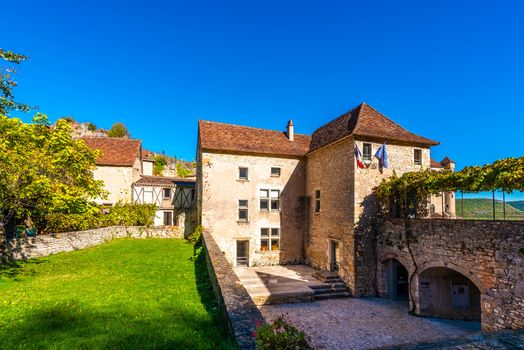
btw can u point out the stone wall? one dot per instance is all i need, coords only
(221, 189)
(43, 245)
(233, 298)
(488, 255)
(330, 171)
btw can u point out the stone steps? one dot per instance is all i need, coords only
(332, 286)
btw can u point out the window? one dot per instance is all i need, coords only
(269, 200)
(168, 218)
(366, 152)
(417, 157)
(167, 193)
(317, 201)
(269, 239)
(275, 172)
(242, 173)
(243, 210)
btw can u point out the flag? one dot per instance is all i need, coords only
(358, 157)
(382, 156)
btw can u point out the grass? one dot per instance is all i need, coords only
(125, 294)
(482, 208)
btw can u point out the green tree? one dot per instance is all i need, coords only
(7, 83)
(118, 130)
(48, 172)
(159, 165)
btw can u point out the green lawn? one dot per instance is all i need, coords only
(125, 294)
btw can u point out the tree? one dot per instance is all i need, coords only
(118, 130)
(159, 165)
(7, 102)
(48, 172)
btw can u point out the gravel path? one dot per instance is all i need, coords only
(365, 323)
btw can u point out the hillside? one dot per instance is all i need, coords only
(482, 208)
(517, 205)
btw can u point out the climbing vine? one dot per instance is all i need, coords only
(408, 195)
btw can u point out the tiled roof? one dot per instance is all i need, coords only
(164, 181)
(236, 138)
(115, 151)
(442, 164)
(365, 121)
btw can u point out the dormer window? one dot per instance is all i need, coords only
(366, 152)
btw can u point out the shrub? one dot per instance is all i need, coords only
(181, 171)
(281, 335)
(118, 215)
(118, 130)
(159, 164)
(196, 237)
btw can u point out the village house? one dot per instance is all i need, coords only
(271, 197)
(173, 197)
(119, 166)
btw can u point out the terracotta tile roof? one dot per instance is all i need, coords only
(164, 181)
(442, 164)
(236, 138)
(365, 121)
(115, 151)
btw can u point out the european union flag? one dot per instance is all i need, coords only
(382, 156)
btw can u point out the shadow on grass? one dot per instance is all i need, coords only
(18, 268)
(207, 295)
(69, 326)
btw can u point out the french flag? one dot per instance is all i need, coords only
(358, 157)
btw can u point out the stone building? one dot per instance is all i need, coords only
(173, 197)
(270, 197)
(273, 197)
(119, 166)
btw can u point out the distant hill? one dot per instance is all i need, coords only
(482, 208)
(517, 205)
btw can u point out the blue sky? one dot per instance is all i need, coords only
(448, 70)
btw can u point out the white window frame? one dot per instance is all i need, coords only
(242, 207)
(272, 234)
(164, 192)
(270, 199)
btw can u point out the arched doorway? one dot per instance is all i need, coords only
(446, 293)
(397, 280)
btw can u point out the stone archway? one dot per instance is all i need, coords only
(393, 277)
(446, 292)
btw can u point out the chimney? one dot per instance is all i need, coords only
(290, 130)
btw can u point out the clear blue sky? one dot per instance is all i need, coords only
(448, 70)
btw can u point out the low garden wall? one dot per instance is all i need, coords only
(33, 247)
(232, 297)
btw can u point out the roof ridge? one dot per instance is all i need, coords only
(394, 122)
(246, 126)
(339, 117)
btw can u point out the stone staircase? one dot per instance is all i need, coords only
(331, 286)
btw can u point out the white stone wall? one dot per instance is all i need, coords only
(117, 181)
(221, 190)
(147, 167)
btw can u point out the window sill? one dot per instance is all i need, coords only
(317, 212)
(267, 251)
(242, 222)
(242, 180)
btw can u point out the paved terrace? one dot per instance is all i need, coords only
(278, 284)
(365, 323)
(350, 323)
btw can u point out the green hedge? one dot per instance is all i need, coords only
(118, 215)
